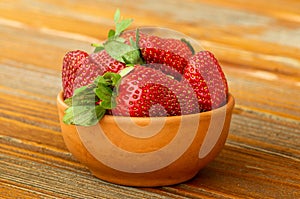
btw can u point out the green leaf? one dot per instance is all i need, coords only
(108, 79)
(69, 116)
(98, 47)
(119, 51)
(133, 57)
(79, 90)
(122, 25)
(132, 43)
(106, 104)
(126, 61)
(100, 80)
(114, 78)
(84, 90)
(135, 43)
(68, 101)
(83, 115)
(120, 39)
(111, 34)
(103, 92)
(117, 16)
(82, 96)
(84, 110)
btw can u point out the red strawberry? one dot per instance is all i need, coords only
(72, 61)
(80, 69)
(176, 46)
(166, 61)
(207, 79)
(163, 52)
(100, 63)
(148, 92)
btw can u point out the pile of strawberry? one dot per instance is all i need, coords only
(140, 75)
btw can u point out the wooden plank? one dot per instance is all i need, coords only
(14, 191)
(58, 183)
(48, 49)
(265, 91)
(277, 9)
(249, 174)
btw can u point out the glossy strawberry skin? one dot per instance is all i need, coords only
(72, 61)
(80, 69)
(97, 64)
(165, 54)
(174, 46)
(148, 92)
(165, 61)
(205, 75)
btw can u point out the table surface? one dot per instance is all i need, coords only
(257, 42)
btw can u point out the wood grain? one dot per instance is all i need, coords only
(257, 43)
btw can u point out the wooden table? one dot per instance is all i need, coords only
(257, 43)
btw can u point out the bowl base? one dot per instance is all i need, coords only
(137, 180)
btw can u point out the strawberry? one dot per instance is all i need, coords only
(178, 47)
(205, 75)
(175, 46)
(72, 61)
(148, 92)
(165, 61)
(169, 55)
(97, 64)
(80, 69)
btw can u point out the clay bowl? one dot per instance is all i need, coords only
(148, 152)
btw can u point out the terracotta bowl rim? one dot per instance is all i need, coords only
(230, 103)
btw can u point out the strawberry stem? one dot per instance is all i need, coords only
(126, 70)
